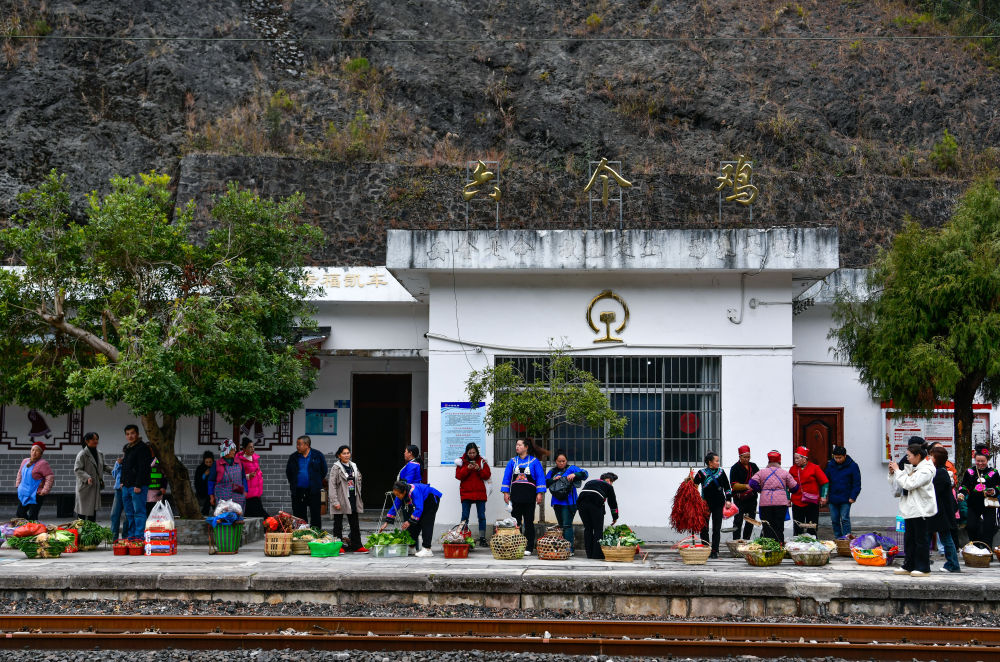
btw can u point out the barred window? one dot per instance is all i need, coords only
(671, 404)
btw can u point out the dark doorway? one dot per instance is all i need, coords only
(819, 429)
(380, 430)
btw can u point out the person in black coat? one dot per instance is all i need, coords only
(201, 476)
(717, 493)
(945, 522)
(744, 498)
(590, 502)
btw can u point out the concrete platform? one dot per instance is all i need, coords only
(662, 585)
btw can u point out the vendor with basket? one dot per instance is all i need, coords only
(230, 482)
(417, 504)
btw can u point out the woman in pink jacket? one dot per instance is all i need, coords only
(34, 480)
(255, 480)
(774, 484)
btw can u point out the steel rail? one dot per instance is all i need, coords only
(657, 638)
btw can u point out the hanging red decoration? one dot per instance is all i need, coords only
(689, 513)
(518, 426)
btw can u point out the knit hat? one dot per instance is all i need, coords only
(40, 444)
(803, 451)
(743, 449)
(773, 456)
(839, 450)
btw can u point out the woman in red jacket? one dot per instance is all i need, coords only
(813, 488)
(473, 472)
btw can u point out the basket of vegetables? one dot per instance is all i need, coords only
(763, 552)
(389, 544)
(808, 550)
(457, 542)
(694, 550)
(38, 543)
(619, 544)
(302, 537)
(91, 534)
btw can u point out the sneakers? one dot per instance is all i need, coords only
(917, 573)
(527, 553)
(424, 553)
(361, 550)
(900, 571)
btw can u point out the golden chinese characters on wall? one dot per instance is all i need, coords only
(345, 280)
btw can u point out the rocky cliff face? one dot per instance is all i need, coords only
(372, 108)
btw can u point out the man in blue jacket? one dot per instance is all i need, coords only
(306, 472)
(845, 486)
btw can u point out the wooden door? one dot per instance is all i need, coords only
(819, 429)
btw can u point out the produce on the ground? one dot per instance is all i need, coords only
(394, 537)
(91, 533)
(619, 536)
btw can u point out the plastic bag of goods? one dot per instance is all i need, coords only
(974, 550)
(228, 506)
(161, 517)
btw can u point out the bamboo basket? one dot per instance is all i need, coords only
(844, 545)
(277, 544)
(300, 547)
(619, 554)
(553, 546)
(977, 560)
(508, 544)
(811, 558)
(734, 547)
(764, 559)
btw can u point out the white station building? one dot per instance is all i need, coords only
(703, 339)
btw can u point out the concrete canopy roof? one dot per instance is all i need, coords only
(807, 253)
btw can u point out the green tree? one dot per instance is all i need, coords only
(554, 392)
(134, 307)
(929, 329)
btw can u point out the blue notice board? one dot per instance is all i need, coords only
(460, 424)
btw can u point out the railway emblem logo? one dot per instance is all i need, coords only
(607, 317)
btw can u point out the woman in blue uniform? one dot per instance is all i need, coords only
(411, 470)
(417, 505)
(523, 487)
(564, 504)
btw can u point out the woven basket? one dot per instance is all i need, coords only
(619, 554)
(844, 545)
(455, 550)
(277, 544)
(996, 550)
(552, 546)
(300, 547)
(977, 560)
(764, 559)
(508, 544)
(734, 546)
(811, 558)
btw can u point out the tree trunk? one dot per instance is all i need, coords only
(162, 439)
(965, 393)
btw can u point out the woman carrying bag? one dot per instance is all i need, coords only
(230, 482)
(717, 493)
(561, 482)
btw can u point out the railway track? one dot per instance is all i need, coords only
(617, 638)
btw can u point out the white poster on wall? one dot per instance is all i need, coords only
(939, 427)
(461, 424)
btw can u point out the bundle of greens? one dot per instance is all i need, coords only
(91, 534)
(394, 537)
(458, 537)
(764, 545)
(619, 536)
(309, 535)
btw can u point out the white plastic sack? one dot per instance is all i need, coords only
(160, 517)
(977, 551)
(228, 506)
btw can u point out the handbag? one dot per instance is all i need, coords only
(560, 487)
(730, 511)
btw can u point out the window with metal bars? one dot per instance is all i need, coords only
(671, 404)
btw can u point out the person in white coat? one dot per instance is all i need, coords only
(917, 503)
